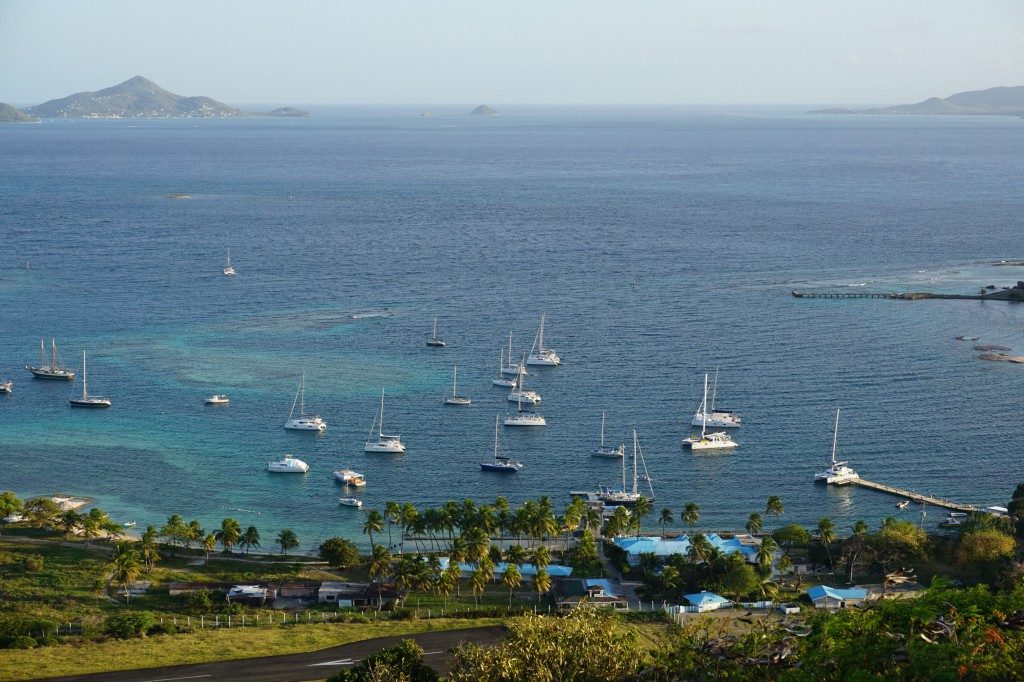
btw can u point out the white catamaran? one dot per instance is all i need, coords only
(624, 497)
(525, 418)
(539, 355)
(304, 422)
(88, 400)
(838, 473)
(716, 440)
(229, 270)
(519, 394)
(384, 442)
(455, 398)
(715, 417)
(605, 450)
(53, 370)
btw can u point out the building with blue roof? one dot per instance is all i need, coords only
(706, 601)
(825, 597)
(745, 545)
(571, 593)
(527, 571)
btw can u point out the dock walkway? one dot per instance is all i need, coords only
(916, 497)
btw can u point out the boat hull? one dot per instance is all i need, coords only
(457, 400)
(40, 373)
(436, 344)
(387, 449)
(544, 360)
(513, 421)
(275, 468)
(93, 403)
(611, 453)
(715, 422)
(531, 398)
(298, 425)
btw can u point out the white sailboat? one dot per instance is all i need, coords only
(219, 399)
(500, 463)
(88, 400)
(714, 417)
(624, 497)
(607, 451)
(455, 398)
(539, 355)
(716, 440)
(838, 473)
(503, 380)
(384, 442)
(524, 418)
(304, 422)
(519, 394)
(229, 271)
(53, 370)
(435, 341)
(510, 369)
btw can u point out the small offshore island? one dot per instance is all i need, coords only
(9, 114)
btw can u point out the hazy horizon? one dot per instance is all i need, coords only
(457, 53)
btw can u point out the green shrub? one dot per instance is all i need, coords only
(198, 602)
(24, 642)
(340, 552)
(403, 661)
(34, 563)
(128, 625)
(14, 627)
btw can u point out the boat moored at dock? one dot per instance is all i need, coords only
(839, 473)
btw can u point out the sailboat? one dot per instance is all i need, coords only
(304, 422)
(519, 394)
(88, 400)
(539, 355)
(229, 271)
(500, 463)
(455, 398)
(525, 418)
(623, 497)
(838, 473)
(606, 451)
(503, 380)
(384, 442)
(716, 418)
(510, 369)
(716, 440)
(434, 339)
(53, 370)
(6, 386)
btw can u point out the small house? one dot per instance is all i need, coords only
(571, 593)
(825, 597)
(251, 595)
(359, 595)
(706, 601)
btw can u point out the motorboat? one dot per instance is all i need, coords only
(523, 417)
(455, 398)
(625, 496)
(435, 341)
(539, 355)
(129, 524)
(88, 400)
(350, 502)
(519, 393)
(838, 473)
(500, 463)
(52, 369)
(6, 386)
(903, 504)
(603, 450)
(218, 399)
(503, 380)
(288, 465)
(715, 417)
(350, 478)
(951, 523)
(713, 440)
(304, 422)
(384, 443)
(229, 270)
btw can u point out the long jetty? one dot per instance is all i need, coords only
(916, 497)
(1002, 295)
(843, 294)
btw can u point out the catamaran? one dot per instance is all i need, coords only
(608, 451)
(434, 340)
(524, 418)
(539, 355)
(624, 497)
(716, 418)
(54, 370)
(384, 442)
(519, 394)
(229, 271)
(304, 422)
(838, 473)
(716, 440)
(350, 478)
(455, 398)
(500, 463)
(503, 380)
(88, 400)
(288, 465)
(6, 386)
(219, 399)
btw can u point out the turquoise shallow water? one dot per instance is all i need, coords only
(659, 243)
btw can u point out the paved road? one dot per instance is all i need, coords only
(314, 665)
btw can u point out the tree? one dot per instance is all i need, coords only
(691, 515)
(516, 554)
(586, 551)
(983, 547)
(641, 508)
(700, 548)
(175, 530)
(148, 550)
(541, 582)
(374, 524)
(766, 554)
(10, 504)
(393, 515)
(541, 556)
(402, 662)
(193, 533)
(250, 538)
(665, 519)
(512, 580)
(90, 529)
(449, 580)
(380, 568)
(827, 535)
(896, 543)
(69, 521)
(739, 578)
(229, 534)
(478, 582)
(793, 535)
(774, 506)
(125, 570)
(209, 543)
(286, 540)
(41, 512)
(754, 524)
(340, 553)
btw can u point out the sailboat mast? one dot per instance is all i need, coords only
(704, 409)
(382, 411)
(714, 391)
(455, 376)
(495, 436)
(540, 335)
(835, 438)
(53, 354)
(84, 391)
(42, 354)
(510, 347)
(634, 461)
(435, 328)
(623, 474)
(602, 429)
(302, 394)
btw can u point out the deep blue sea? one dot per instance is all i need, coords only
(659, 242)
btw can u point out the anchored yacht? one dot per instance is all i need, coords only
(53, 370)
(539, 355)
(384, 442)
(350, 478)
(608, 451)
(715, 440)
(350, 502)
(503, 380)
(288, 465)
(435, 341)
(455, 398)
(304, 422)
(218, 399)
(623, 497)
(510, 369)
(88, 400)
(838, 473)
(519, 394)
(524, 418)
(715, 417)
(500, 463)
(6, 386)
(229, 271)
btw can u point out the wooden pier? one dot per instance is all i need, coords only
(843, 294)
(916, 497)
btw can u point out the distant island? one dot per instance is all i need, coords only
(1002, 101)
(484, 110)
(140, 97)
(9, 114)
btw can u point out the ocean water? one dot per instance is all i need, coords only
(660, 243)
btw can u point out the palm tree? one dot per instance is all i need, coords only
(478, 581)
(409, 519)
(125, 570)
(229, 534)
(90, 529)
(861, 528)
(774, 506)
(380, 568)
(193, 533)
(541, 557)
(754, 524)
(287, 539)
(592, 519)
(516, 554)
(766, 553)
(477, 544)
(665, 518)
(374, 524)
(827, 535)
(642, 508)
(512, 579)
(250, 538)
(449, 580)
(619, 521)
(210, 543)
(690, 515)
(393, 514)
(541, 582)
(69, 521)
(148, 548)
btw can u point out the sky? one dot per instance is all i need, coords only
(522, 51)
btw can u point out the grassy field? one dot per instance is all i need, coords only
(208, 645)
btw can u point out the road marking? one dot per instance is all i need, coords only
(167, 679)
(340, 661)
(433, 653)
